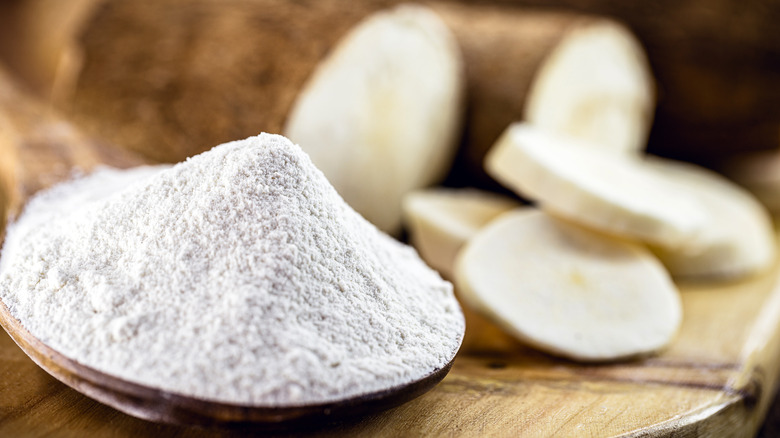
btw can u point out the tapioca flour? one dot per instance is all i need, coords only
(239, 276)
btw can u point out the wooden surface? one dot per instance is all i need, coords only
(39, 148)
(716, 379)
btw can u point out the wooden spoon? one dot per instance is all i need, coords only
(38, 149)
(157, 405)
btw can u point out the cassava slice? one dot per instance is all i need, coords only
(614, 193)
(567, 290)
(595, 85)
(381, 114)
(737, 239)
(441, 220)
(576, 73)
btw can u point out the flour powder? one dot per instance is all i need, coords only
(238, 276)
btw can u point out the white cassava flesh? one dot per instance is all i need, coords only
(613, 193)
(597, 86)
(380, 115)
(568, 290)
(440, 221)
(738, 238)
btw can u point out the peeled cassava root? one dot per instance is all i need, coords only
(567, 290)
(380, 115)
(700, 224)
(440, 221)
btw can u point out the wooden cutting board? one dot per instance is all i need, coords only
(715, 380)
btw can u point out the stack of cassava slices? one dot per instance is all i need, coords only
(586, 273)
(382, 98)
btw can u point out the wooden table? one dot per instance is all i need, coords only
(717, 379)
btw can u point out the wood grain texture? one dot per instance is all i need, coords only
(171, 79)
(40, 148)
(715, 380)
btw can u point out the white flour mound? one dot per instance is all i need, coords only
(238, 276)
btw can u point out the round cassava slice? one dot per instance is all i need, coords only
(380, 115)
(584, 75)
(440, 221)
(613, 193)
(596, 85)
(738, 238)
(567, 290)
